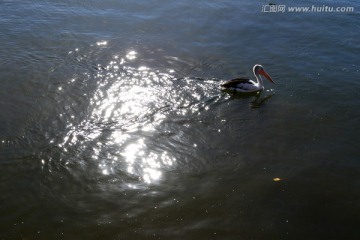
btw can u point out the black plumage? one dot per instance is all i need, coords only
(234, 82)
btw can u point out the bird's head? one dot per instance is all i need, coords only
(259, 70)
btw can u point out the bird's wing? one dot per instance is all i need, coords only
(234, 82)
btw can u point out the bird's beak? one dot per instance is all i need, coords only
(265, 74)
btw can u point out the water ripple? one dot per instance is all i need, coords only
(128, 118)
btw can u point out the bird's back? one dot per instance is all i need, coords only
(234, 82)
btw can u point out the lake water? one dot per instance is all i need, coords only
(113, 124)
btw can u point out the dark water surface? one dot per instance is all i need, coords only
(113, 125)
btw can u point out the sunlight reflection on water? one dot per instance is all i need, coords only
(127, 106)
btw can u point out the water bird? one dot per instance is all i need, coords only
(245, 85)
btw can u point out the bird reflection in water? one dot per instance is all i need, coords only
(259, 101)
(258, 98)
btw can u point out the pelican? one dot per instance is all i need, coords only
(246, 85)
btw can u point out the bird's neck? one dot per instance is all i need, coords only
(259, 80)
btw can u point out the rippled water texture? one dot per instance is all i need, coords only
(113, 124)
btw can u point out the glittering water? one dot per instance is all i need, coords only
(113, 125)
